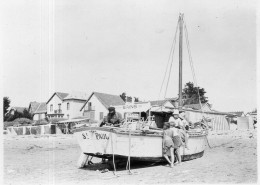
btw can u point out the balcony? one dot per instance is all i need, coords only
(58, 111)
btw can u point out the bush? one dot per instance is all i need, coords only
(23, 121)
(41, 122)
(55, 120)
(10, 124)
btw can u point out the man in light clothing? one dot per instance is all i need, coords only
(180, 124)
(175, 118)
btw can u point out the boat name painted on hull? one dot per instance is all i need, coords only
(98, 136)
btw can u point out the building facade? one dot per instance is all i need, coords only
(38, 110)
(64, 105)
(96, 107)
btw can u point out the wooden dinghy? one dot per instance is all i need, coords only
(108, 142)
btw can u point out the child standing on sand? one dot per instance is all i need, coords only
(176, 140)
(168, 143)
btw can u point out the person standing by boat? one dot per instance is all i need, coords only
(176, 140)
(183, 118)
(184, 129)
(175, 118)
(168, 143)
(113, 118)
(181, 125)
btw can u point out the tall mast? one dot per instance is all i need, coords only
(180, 59)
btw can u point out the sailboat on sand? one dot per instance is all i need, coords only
(137, 139)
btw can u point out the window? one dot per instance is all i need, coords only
(59, 105)
(101, 115)
(68, 106)
(51, 108)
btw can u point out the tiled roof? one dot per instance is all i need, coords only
(158, 102)
(106, 99)
(109, 99)
(196, 106)
(62, 95)
(193, 106)
(34, 105)
(161, 102)
(59, 94)
(19, 109)
(77, 95)
(238, 113)
(42, 108)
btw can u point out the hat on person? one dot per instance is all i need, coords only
(175, 111)
(111, 108)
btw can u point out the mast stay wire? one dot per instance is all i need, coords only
(191, 63)
(170, 56)
(170, 69)
(194, 77)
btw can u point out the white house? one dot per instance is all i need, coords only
(96, 106)
(38, 110)
(64, 105)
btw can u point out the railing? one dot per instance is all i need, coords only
(59, 111)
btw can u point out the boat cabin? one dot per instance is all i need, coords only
(145, 112)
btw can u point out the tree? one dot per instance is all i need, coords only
(27, 114)
(7, 102)
(190, 94)
(15, 116)
(128, 98)
(24, 114)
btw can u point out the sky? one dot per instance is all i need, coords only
(124, 45)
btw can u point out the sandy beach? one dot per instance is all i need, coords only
(52, 159)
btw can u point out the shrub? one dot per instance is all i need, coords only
(55, 120)
(10, 124)
(23, 121)
(41, 122)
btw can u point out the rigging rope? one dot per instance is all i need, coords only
(171, 55)
(193, 74)
(191, 64)
(112, 143)
(129, 155)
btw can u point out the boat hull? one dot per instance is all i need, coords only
(105, 142)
